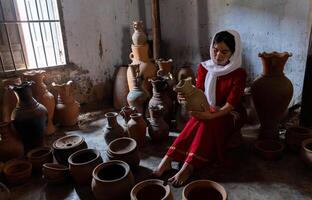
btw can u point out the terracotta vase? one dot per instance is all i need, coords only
(185, 72)
(9, 98)
(42, 95)
(39, 156)
(137, 129)
(195, 99)
(30, 118)
(112, 180)
(11, 145)
(295, 135)
(151, 189)
(271, 93)
(138, 36)
(82, 164)
(125, 112)
(121, 88)
(67, 109)
(158, 129)
(112, 130)
(306, 151)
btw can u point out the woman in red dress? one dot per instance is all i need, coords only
(206, 134)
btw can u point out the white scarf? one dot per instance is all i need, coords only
(214, 70)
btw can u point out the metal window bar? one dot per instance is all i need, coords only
(55, 59)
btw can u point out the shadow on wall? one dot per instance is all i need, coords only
(202, 20)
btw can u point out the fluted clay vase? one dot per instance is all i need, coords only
(271, 93)
(195, 99)
(67, 108)
(9, 98)
(158, 129)
(112, 180)
(138, 36)
(11, 146)
(295, 135)
(30, 118)
(121, 88)
(185, 72)
(137, 129)
(112, 130)
(151, 189)
(42, 95)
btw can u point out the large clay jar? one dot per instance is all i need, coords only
(112, 130)
(137, 129)
(30, 118)
(158, 129)
(9, 98)
(306, 151)
(151, 189)
(195, 99)
(82, 164)
(295, 135)
(138, 36)
(67, 109)
(42, 95)
(271, 93)
(121, 88)
(112, 180)
(11, 145)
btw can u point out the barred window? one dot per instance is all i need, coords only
(30, 35)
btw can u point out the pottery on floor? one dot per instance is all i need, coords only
(151, 189)
(269, 149)
(39, 156)
(55, 173)
(295, 135)
(306, 151)
(4, 192)
(17, 172)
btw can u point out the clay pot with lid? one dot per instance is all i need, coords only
(152, 189)
(112, 180)
(295, 135)
(67, 145)
(269, 149)
(55, 173)
(82, 163)
(137, 129)
(17, 172)
(112, 130)
(39, 156)
(9, 98)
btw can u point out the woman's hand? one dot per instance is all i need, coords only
(180, 97)
(205, 115)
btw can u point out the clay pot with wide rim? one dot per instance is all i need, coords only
(112, 130)
(82, 163)
(271, 93)
(121, 88)
(204, 189)
(17, 172)
(152, 189)
(55, 173)
(158, 129)
(269, 149)
(295, 135)
(67, 145)
(137, 129)
(112, 180)
(124, 149)
(306, 151)
(39, 156)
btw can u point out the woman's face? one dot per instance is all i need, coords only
(221, 54)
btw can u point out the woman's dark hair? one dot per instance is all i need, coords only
(227, 38)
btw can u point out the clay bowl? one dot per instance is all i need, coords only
(17, 171)
(4, 192)
(67, 145)
(204, 189)
(39, 156)
(55, 173)
(295, 135)
(152, 189)
(124, 149)
(306, 151)
(269, 149)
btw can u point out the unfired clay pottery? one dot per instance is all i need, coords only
(67, 108)
(67, 145)
(82, 163)
(121, 88)
(42, 95)
(271, 93)
(11, 146)
(112, 130)
(158, 129)
(137, 129)
(112, 180)
(124, 149)
(138, 37)
(30, 118)
(151, 189)
(55, 173)
(9, 98)
(39, 156)
(17, 171)
(295, 135)
(269, 149)
(204, 189)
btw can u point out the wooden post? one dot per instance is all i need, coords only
(155, 28)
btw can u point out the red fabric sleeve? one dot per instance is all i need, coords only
(237, 91)
(201, 76)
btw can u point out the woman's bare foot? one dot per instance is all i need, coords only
(181, 176)
(163, 166)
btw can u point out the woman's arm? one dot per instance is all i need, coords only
(206, 115)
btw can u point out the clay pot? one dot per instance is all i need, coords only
(138, 37)
(184, 72)
(269, 149)
(137, 129)
(17, 171)
(204, 189)
(165, 65)
(252, 117)
(55, 173)
(306, 151)
(42, 95)
(9, 98)
(271, 93)
(112, 130)
(121, 88)
(82, 163)
(39, 156)
(112, 180)
(67, 145)
(124, 149)
(30, 118)
(11, 145)
(67, 109)
(125, 112)
(4, 192)
(295, 135)
(152, 189)
(158, 129)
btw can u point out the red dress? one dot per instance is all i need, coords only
(204, 140)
